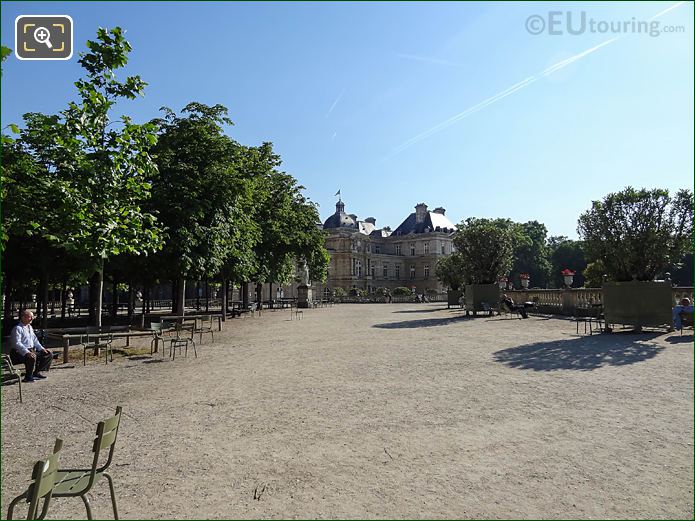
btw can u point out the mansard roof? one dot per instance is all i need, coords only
(432, 222)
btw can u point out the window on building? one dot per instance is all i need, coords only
(377, 248)
(358, 268)
(412, 249)
(412, 272)
(371, 271)
(426, 248)
(427, 271)
(443, 248)
(398, 249)
(326, 293)
(386, 270)
(398, 271)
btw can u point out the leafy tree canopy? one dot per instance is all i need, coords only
(636, 233)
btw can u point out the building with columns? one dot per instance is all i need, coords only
(366, 257)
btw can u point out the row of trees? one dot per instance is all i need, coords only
(173, 199)
(629, 235)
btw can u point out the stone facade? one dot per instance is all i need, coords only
(365, 257)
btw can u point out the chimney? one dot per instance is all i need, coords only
(354, 217)
(440, 210)
(420, 212)
(371, 220)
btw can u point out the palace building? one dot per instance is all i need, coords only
(366, 257)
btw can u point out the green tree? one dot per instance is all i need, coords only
(637, 233)
(202, 196)
(594, 274)
(531, 253)
(289, 223)
(450, 271)
(566, 253)
(485, 247)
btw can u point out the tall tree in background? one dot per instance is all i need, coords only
(636, 234)
(486, 248)
(531, 254)
(566, 253)
(201, 195)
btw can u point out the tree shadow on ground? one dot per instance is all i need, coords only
(584, 353)
(684, 339)
(425, 322)
(427, 310)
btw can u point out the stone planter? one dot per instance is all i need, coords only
(452, 297)
(304, 296)
(479, 294)
(638, 303)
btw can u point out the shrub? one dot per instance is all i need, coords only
(338, 292)
(402, 292)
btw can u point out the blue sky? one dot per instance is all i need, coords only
(373, 98)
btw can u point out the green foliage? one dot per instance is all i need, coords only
(637, 233)
(531, 253)
(594, 274)
(381, 291)
(402, 291)
(449, 271)
(202, 196)
(339, 292)
(4, 53)
(565, 253)
(485, 247)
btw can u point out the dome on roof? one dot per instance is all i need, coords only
(340, 220)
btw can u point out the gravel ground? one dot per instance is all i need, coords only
(377, 411)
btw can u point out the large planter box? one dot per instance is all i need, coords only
(479, 294)
(453, 296)
(638, 303)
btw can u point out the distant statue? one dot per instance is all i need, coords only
(304, 274)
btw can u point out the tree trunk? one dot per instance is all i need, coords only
(245, 295)
(259, 293)
(99, 279)
(207, 295)
(180, 296)
(93, 283)
(63, 300)
(114, 297)
(270, 295)
(131, 301)
(43, 288)
(224, 299)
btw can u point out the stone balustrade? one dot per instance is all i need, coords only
(568, 301)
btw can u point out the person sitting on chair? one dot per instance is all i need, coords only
(507, 301)
(27, 350)
(684, 307)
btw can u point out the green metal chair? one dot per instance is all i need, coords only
(10, 372)
(97, 341)
(78, 482)
(43, 476)
(157, 328)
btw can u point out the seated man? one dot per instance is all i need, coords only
(684, 307)
(27, 350)
(521, 309)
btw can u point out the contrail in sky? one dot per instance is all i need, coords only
(508, 91)
(335, 103)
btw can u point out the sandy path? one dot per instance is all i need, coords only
(378, 411)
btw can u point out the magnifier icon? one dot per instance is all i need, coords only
(42, 35)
